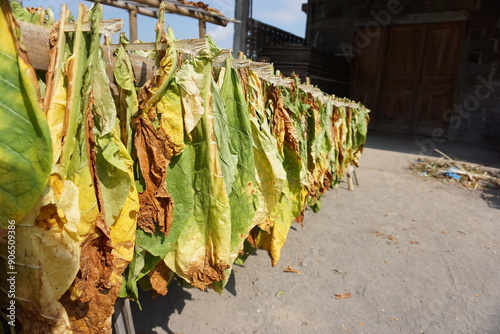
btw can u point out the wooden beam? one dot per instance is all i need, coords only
(197, 13)
(129, 6)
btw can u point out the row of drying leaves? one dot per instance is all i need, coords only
(71, 248)
(78, 240)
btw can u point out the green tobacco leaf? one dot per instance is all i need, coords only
(201, 228)
(96, 83)
(20, 13)
(127, 103)
(243, 197)
(112, 171)
(75, 69)
(25, 145)
(227, 156)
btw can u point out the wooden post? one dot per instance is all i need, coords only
(203, 28)
(132, 15)
(241, 13)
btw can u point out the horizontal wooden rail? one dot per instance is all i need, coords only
(36, 42)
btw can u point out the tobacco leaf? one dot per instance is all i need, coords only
(159, 278)
(200, 237)
(292, 203)
(127, 103)
(106, 172)
(244, 190)
(190, 81)
(90, 301)
(54, 102)
(170, 112)
(46, 241)
(154, 147)
(154, 152)
(25, 144)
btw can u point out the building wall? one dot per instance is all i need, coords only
(476, 115)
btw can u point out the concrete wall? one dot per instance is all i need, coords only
(476, 118)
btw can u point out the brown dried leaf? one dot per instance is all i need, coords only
(343, 295)
(282, 126)
(289, 269)
(90, 301)
(159, 277)
(154, 151)
(201, 275)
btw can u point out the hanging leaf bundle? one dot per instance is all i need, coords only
(112, 190)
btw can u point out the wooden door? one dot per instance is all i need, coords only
(406, 76)
(400, 81)
(366, 73)
(443, 48)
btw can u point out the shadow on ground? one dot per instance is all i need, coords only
(163, 307)
(492, 196)
(159, 307)
(488, 156)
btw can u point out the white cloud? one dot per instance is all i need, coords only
(223, 36)
(225, 6)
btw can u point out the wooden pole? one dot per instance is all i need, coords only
(132, 15)
(203, 28)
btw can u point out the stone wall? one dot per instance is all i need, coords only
(476, 116)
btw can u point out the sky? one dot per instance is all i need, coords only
(284, 14)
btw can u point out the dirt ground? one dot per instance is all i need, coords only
(416, 255)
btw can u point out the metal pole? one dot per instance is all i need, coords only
(132, 15)
(241, 13)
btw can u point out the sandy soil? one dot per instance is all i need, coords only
(417, 256)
